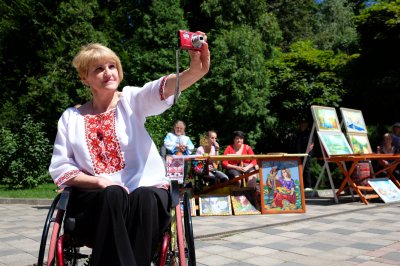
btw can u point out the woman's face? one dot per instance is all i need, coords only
(387, 139)
(285, 173)
(179, 129)
(102, 75)
(238, 141)
(212, 138)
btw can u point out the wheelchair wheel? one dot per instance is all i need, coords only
(189, 239)
(62, 250)
(54, 223)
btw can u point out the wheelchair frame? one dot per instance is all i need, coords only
(176, 246)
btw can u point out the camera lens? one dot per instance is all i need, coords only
(197, 40)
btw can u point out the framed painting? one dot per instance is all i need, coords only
(281, 186)
(244, 201)
(359, 143)
(335, 143)
(215, 205)
(353, 120)
(325, 118)
(386, 189)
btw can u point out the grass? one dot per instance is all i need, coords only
(44, 191)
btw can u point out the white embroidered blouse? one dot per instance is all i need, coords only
(113, 144)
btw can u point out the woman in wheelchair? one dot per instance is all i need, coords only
(119, 199)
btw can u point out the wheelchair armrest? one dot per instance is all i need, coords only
(63, 202)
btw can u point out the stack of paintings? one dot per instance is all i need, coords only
(329, 131)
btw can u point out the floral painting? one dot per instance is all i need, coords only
(215, 205)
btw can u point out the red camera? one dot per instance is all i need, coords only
(191, 40)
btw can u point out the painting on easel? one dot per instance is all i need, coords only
(325, 118)
(359, 143)
(353, 120)
(335, 143)
(282, 187)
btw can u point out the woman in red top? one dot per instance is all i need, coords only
(237, 168)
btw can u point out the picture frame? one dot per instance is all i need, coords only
(215, 205)
(281, 186)
(244, 201)
(353, 120)
(386, 189)
(335, 143)
(325, 118)
(359, 143)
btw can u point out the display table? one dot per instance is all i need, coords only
(354, 159)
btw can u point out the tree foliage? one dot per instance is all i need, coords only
(270, 60)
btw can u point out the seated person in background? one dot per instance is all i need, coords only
(396, 137)
(236, 168)
(176, 142)
(387, 147)
(211, 147)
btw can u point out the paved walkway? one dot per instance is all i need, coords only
(348, 233)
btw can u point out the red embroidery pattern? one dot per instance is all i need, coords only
(103, 144)
(162, 86)
(67, 176)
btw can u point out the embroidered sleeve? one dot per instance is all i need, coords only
(63, 166)
(66, 176)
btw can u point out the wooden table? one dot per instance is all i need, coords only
(354, 159)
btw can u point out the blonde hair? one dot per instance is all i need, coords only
(92, 53)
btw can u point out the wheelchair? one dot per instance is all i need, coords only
(62, 247)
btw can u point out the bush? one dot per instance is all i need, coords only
(24, 155)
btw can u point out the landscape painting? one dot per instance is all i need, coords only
(335, 143)
(353, 120)
(359, 143)
(325, 118)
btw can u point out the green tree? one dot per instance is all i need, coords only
(302, 77)
(24, 155)
(294, 17)
(374, 78)
(334, 26)
(235, 94)
(227, 15)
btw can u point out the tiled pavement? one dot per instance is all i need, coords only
(348, 233)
